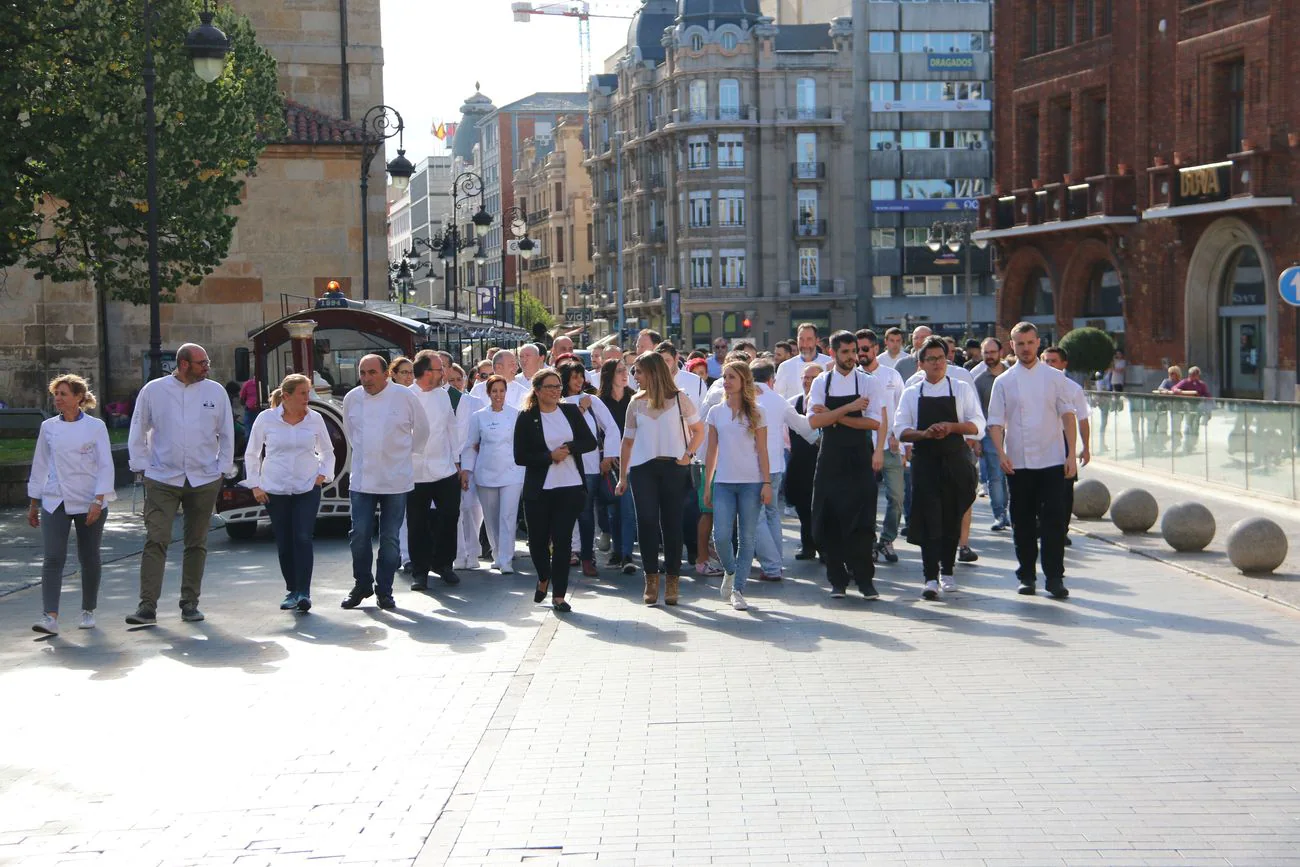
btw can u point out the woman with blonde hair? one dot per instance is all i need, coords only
(71, 482)
(289, 458)
(736, 476)
(661, 436)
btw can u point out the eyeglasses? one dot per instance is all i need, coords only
(549, 385)
(203, 363)
(934, 359)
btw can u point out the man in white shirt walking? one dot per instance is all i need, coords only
(782, 420)
(433, 507)
(183, 441)
(385, 426)
(893, 347)
(789, 376)
(892, 473)
(1028, 408)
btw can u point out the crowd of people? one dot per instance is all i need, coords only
(654, 458)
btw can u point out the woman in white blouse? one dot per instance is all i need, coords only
(289, 457)
(489, 461)
(737, 476)
(661, 436)
(70, 484)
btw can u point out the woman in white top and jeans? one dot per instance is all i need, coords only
(70, 483)
(737, 477)
(289, 457)
(489, 460)
(661, 436)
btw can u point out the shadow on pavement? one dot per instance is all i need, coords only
(435, 630)
(210, 646)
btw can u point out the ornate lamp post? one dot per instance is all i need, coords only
(954, 236)
(380, 123)
(517, 218)
(207, 47)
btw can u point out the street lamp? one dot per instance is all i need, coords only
(466, 185)
(954, 236)
(517, 218)
(207, 47)
(380, 123)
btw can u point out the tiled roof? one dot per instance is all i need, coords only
(308, 126)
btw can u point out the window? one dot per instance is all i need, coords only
(1038, 300)
(883, 91)
(697, 152)
(729, 41)
(926, 139)
(1104, 296)
(733, 268)
(1230, 96)
(941, 42)
(1107, 11)
(807, 207)
(1089, 18)
(915, 236)
(1071, 22)
(702, 329)
(809, 272)
(806, 98)
(805, 147)
(932, 284)
(1049, 41)
(1096, 156)
(701, 209)
(884, 239)
(938, 91)
(1028, 156)
(882, 286)
(698, 97)
(880, 42)
(701, 269)
(1031, 28)
(884, 189)
(697, 42)
(731, 151)
(559, 244)
(728, 99)
(943, 188)
(884, 140)
(1063, 127)
(731, 208)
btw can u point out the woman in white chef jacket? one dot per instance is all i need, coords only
(489, 457)
(70, 485)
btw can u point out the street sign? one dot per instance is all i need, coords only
(1288, 286)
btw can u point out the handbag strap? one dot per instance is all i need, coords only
(681, 416)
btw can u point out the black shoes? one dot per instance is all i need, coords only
(966, 555)
(1026, 589)
(1059, 592)
(191, 613)
(805, 555)
(540, 593)
(355, 598)
(143, 616)
(419, 585)
(449, 577)
(1068, 541)
(562, 607)
(387, 603)
(304, 603)
(869, 591)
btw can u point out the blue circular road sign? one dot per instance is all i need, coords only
(1288, 286)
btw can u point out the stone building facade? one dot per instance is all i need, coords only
(554, 190)
(299, 224)
(720, 146)
(1147, 170)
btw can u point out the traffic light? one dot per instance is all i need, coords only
(746, 323)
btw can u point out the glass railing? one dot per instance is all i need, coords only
(1247, 444)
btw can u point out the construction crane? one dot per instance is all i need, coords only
(583, 11)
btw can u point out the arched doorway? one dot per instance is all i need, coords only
(1038, 304)
(701, 330)
(1243, 312)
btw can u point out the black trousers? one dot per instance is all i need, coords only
(806, 543)
(847, 545)
(659, 493)
(432, 533)
(1039, 504)
(938, 556)
(551, 518)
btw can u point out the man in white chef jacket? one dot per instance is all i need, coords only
(182, 441)
(789, 376)
(385, 426)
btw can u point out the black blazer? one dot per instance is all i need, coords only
(532, 454)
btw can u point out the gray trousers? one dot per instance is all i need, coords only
(56, 526)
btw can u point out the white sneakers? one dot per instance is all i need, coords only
(506, 569)
(738, 601)
(932, 588)
(47, 625)
(605, 542)
(947, 583)
(728, 584)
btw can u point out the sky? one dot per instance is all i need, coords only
(434, 51)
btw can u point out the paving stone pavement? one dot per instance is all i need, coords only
(1150, 719)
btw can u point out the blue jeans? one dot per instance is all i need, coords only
(587, 518)
(996, 480)
(907, 495)
(392, 509)
(620, 513)
(767, 541)
(293, 520)
(732, 500)
(893, 484)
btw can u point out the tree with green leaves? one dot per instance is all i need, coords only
(1090, 349)
(74, 175)
(528, 310)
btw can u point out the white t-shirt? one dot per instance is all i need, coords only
(558, 431)
(737, 458)
(789, 376)
(662, 433)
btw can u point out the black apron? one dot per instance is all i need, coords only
(943, 479)
(801, 466)
(844, 483)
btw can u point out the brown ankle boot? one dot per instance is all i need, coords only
(651, 589)
(670, 589)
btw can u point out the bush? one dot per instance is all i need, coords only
(1090, 349)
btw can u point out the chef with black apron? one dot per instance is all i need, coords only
(937, 415)
(847, 405)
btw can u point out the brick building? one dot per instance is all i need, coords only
(1145, 169)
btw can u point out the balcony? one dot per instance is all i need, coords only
(812, 114)
(731, 224)
(539, 216)
(810, 228)
(808, 171)
(808, 286)
(713, 114)
(609, 197)
(1099, 201)
(658, 236)
(1249, 179)
(539, 263)
(656, 180)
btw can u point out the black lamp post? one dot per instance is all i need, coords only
(517, 219)
(207, 47)
(467, 185)
(954, 236)
(379, 124)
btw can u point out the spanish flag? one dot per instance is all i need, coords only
(440, 131)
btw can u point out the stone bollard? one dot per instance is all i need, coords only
(1256, 545)
(1134, 510)
(1188, 526)
(1091, 499)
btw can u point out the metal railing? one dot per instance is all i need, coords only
(809, 228)
(808, 171)
(1253, 445)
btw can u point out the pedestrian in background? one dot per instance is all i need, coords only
(783, 422)
(402, 371)
(488, 463)
(433, 505)
(799, 470)
(289, 458)
(594, 463)
(183, 441)
(616, 396)
(250, 401)
(70, 485)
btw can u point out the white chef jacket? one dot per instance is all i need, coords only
(716, 394)
(465, 409)
(385, 431)
(968, 404)
(1078, 398)
(891, 361)
(693, 387)
(789, 376)
(284, 458)
(182, 433)
(603, 427)
(72, 464)
(781, 417)
(956, 371)
(894, 387)
(840, 385)
(489, 451)
(1028, 403)
(438, 455)
(516, 394)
